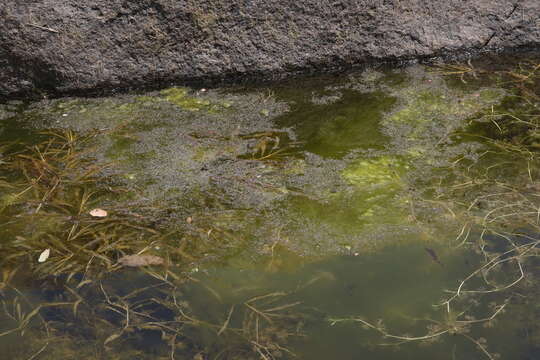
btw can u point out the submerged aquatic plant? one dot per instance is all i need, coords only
(119, 312)
(54, 186)
(78, 254)
(461, 70)
(270, 145)
(496, 195)
(126, 285)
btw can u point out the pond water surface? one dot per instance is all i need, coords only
(382, 214)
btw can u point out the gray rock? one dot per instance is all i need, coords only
(66, 46)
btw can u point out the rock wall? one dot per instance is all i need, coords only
(62, 46)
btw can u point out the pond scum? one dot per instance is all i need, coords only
(98, 308)
(501, 223)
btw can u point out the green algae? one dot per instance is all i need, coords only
(131, 132)
(181, 97)
(379, 197)
(403, 111)
(433, 104)
(340, 224)
(332, 130)
(373, 173)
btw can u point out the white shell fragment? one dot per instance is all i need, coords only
(44, 255)
(98, 213)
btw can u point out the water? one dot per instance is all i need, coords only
(322, 218)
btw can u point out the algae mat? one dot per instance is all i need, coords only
(384, 214)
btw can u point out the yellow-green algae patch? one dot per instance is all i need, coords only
(429, 112)
(180, 96)
(378, 182)
(384, 171)
(219, 197)
(435, 104)
(136, 112)
(375, 198)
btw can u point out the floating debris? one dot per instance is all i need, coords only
(44, 255)
(98, 213)
(140, 260)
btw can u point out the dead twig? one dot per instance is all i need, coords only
(44, 28)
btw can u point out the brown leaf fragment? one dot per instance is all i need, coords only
(140, 260)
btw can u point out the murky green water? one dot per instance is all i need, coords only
(322, 218)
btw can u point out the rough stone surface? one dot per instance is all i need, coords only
(63, 46)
